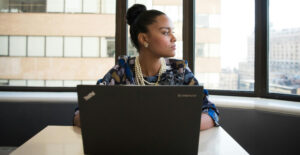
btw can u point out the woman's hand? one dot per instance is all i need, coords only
(76, 119)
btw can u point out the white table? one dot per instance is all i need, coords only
(66, 140)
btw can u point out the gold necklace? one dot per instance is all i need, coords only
(139, 75)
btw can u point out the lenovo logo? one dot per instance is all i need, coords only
(186, 95)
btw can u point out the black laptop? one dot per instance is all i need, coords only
(140, 119)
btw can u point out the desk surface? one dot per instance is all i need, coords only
(65, 140)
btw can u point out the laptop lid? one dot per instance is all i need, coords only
(140, 119)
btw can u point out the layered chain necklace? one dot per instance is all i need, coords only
(139, 75)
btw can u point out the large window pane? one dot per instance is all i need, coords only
(58, 58)
(173, 9)
(17, 46)
(4, 45)
(36, 46)
(224, 54)
(284, 47)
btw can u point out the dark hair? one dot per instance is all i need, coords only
(138, 17)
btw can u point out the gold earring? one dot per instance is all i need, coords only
(146, 44)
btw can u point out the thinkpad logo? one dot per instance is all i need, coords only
(89, 96)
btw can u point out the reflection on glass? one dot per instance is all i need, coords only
(284, 47)
(224, 45)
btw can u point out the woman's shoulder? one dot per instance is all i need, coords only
(176, 63)
(125, 59)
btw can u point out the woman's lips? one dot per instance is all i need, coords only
(173, 47)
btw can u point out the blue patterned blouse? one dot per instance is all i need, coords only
(177, 73)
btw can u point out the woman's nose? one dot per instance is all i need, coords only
(173, 38)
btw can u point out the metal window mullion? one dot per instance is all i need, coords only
(261, 48)
(64, 10)
(188, 32)
(8, 44)
(81, 48)
(45, 46)
(27, 52)
(121, 29)
(63, 52)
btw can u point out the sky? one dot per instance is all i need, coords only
(237, 23)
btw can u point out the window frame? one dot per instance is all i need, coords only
(261, 86)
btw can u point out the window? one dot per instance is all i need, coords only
(17, 82)
(110, 47)
(284, 32)
(108, 6)
(224, 44)
(71, 83)
(35, 83)
(54, 46)
(17, 46)
(72, 47)
(73, 6)
(36, 46)
(27, 5)
(54, 83)
(91, 6)
(4, 6)
(90, 47)
(3, 82)
(224, 54)
(55, 5)
(3, 45)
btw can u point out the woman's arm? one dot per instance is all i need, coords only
(206, 122)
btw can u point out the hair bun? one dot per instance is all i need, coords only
(134, 11)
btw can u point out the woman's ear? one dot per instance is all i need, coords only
(143, 39)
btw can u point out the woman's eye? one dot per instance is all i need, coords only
(166, 33)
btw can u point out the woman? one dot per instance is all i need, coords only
(152, 35)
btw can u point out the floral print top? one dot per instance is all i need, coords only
(177, 73)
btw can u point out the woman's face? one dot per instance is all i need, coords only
(161, 38)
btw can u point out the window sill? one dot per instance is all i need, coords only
(255, 103)
(270, 105)
(53, 97)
